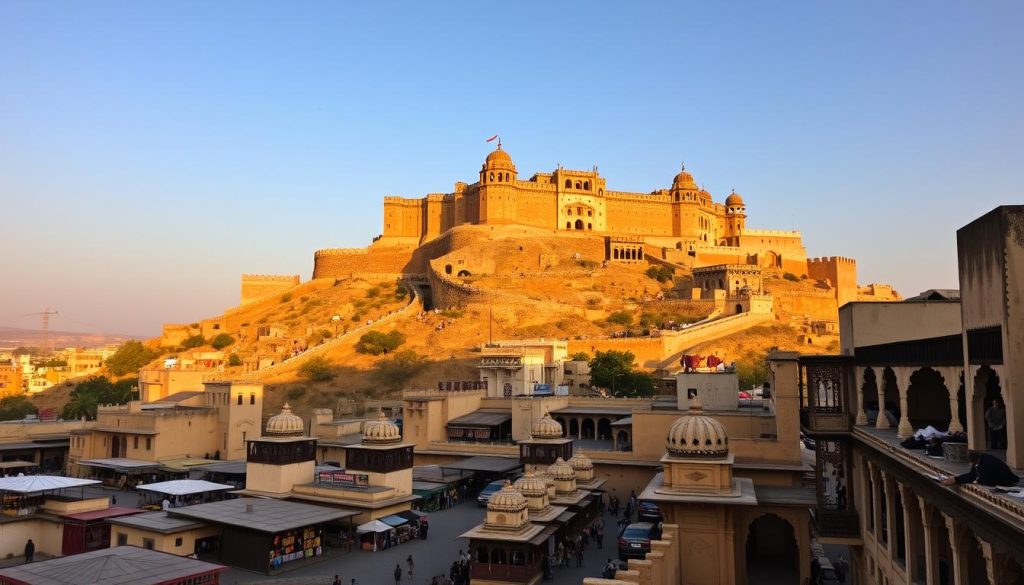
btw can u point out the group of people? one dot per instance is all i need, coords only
(458, 573)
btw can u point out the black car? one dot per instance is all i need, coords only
(648, 512)
(807, 441)
(635, 539)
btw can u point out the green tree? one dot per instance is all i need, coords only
(791, 277)
(98, 390)
(128, 358)
(580, 356)
(395, 371)
(614, 371)
(221, 341)
(16, 408)
(317, 369)
(377, 343)
(234, 360)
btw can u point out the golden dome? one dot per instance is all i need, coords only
(507, 499)
(285, 424)
(546, 428)
(531, 485)
(499, 158)
(734, 199)
(697, 436)
(561, 470)
(580, 462)
(381, 431)
(684, 180)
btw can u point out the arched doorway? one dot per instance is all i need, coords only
(561, 421)
(579, 224)
(574, 428)
(987, 389)
(588, 428)
(928, 400)
(604, 429)
(739, 308)
(772, 553)
(870, 390)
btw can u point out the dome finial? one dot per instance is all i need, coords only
(682, 166)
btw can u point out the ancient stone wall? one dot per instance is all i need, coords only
(840, 272)
(260, 286)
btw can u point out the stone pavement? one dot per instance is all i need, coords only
(431, 557)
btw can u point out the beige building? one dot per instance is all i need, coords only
(169, 433)
(941, 360)
(525, 367)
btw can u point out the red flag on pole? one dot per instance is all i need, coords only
(492, 138)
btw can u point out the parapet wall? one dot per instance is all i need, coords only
(261, 286)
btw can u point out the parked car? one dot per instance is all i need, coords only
(488, 491)
(807, 441)
(648, 512)
(635, 539)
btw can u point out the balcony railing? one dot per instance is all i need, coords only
(836, 524)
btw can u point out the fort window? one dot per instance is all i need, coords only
(586, 185)
(492, 177)
(239, 398)
(590, 213)
(568, 184)
(579, 224)
(579, 185)
(149, 443)
(590, 226)
(252, 399)
(448, 269)
(568, 225)
(600, 191)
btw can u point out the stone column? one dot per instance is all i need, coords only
(858, 375)
(951, 377)
(881, 421)
(876, 503)
(931, 542)
(990, 561)
(908, 547)
(956, 545)
(889, 493)
(903, 380)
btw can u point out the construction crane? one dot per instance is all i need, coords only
(44, 319)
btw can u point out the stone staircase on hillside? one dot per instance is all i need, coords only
(680, 342)
(414, 306)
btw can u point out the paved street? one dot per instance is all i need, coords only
(432, 557)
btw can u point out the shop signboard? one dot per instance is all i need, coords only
(342, 479)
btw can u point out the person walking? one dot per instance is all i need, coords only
(30, 550)
(424, 526)
(410, 564)
(599, 535)
(398, 574)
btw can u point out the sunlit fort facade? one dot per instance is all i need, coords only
(683, 218)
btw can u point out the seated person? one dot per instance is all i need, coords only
(986, 470)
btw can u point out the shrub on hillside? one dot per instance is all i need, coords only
(128, 358)
(372, 292)
(377, 343)
(295, 393)
(790, 276)
(234, 360)
(621, 318)
(194, 341)
(401, 292)
(587, 264)
(317, 369)
(661, 273)
(221, 341)
(286, 297)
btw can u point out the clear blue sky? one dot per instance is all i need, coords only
(152, 152)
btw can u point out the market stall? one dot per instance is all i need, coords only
(181, 492)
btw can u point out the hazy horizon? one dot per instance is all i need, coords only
(150, 154)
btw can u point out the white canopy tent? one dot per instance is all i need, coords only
(184, 487)
(34, 484)
(373, 526)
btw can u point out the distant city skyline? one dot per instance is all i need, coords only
(150, 154)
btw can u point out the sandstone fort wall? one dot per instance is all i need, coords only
(840, 272)
(260, 286)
